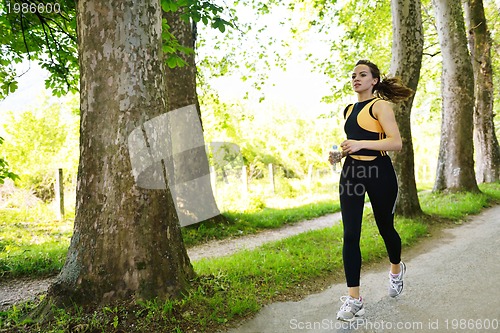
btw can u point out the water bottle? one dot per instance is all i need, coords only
(337, 158)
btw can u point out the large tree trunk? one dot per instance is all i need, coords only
(485, 139)
(407, 48)
(195, 201)
(455, 171)
(126, 242)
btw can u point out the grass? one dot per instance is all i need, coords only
(251, 222)
(31, 246)
(457, 206)
(32, 242)
(234, 287)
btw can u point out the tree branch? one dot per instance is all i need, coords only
(431, 54)
(24, 37)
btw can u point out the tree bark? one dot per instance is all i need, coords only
(181, 91)
(455, 170)
(126, 242)
(485, 139)
(407, 49)
(195, 200)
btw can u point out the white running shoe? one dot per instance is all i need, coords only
(351, 308)
(396, 283)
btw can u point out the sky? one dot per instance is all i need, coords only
(31, 85)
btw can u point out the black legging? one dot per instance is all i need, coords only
(378, 179)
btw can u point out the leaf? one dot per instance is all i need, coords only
(13, 86)
(12, 176)
(168, 49)
(185, 50)
(172, 61)
(196, 17)
(166, 5)
(180, 62)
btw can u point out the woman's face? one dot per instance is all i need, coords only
(362, 79)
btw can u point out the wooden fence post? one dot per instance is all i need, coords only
(59, 190)
(271, 178)
(309, 175)
(244, 179)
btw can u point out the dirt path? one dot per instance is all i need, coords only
(450, 286)
(230, 246)
(20, 290)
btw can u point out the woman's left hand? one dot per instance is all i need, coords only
(350, 147)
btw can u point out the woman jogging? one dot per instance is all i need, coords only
(371, 130)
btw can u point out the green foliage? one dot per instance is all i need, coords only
(355, 30)
(493, 20)
(260, 42)
(191, 10)
(40, 141)
(270, 133)
(46, 33)
(43, 33)
(4, 169)
(172, 48)
(199, 11)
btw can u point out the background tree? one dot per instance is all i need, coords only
(485, 139)
(126, 241)
(407, 48)
(455, 171)
(356, 30)
(361, 40)
(181, 92)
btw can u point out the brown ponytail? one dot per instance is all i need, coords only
(389, 88)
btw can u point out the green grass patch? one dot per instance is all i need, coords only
(234, 287)
(492, 190)
(32, 241)
(33, 260)
(250, 222)
(456, 206)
